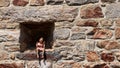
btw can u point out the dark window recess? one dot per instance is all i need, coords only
(30, 33)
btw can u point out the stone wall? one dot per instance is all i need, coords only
(86, 33)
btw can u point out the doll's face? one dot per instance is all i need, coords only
(41, 39)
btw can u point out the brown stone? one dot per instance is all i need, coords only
(117, 33)
(4, 3)
(108, 44)
(37, 2)
(91, 11)
(92, 56)
(107, 57)
(98, 33)
(12, 65)
(20, 2)
(92, 23)
(102, 34)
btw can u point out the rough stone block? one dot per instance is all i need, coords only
(36, 2)
(80, 2)
(108, 1)
(64, 43)
(3, 55)
(67, 64)
(108, 44)
(39, 15)
(107, 57)
(117, 54)
(112, 11)
(20, 2)
(117, 33)
(118, 22)
(92, 56)
(62, 34)
(78, 36)
(77, 29)
(33, 56)
(91, 11)
(36, 64)
(92, 23)
(106, 23)
(4, 3)
(11, 64)
(54, 2)
(98, 33)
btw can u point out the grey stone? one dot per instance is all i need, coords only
(43, 14)
(2, 39)
(77, 36)
(113, 11)
(108, 1)
(53, 2)
(80, 2)
(62, 34)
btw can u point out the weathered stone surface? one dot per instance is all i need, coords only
(10, 38)
(117, 33)
(98, 33)
(2, 25)
(117, 54)
(3, 55)
(77, 29)
(101, 66)
(63, 43)
(35, 64)
(78, 36)
(91, 11)
(115, 64)
(80, 2)
(108, 44)
(4, 3)
(67, 64)
(11, 46)
(108, 1)
(12, 65)
(112, 11)
(20, 2)
(36, 2)
(33, 56)
(54, 2)
(118, 22)
(107, 57)
(84, 46)
(62, 34)
(92, 23)
(12, 25)
(96, 65)
(39, 15)
(2, 39)
(107, 23)
(92, 56)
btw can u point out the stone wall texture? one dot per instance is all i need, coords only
(86, 33)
